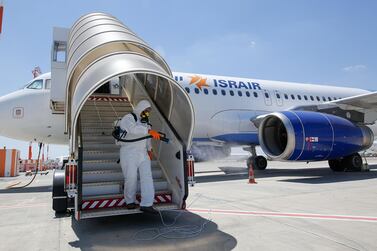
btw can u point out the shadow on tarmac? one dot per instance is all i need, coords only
(307, 175)
(123, 232)
(325, 176)
(31, 189)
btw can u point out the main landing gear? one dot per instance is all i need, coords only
(352, 162)
(259, 162)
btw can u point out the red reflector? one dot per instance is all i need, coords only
(1, 17)
(67, 175)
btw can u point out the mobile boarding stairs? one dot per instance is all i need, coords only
(100, 70)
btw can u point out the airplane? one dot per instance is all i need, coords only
(290, 121)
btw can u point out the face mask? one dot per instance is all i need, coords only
(144, 117)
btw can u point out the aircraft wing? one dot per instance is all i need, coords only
(359, 109)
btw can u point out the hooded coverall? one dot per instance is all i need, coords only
(134, 156)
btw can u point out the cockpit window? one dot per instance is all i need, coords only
(37, 84)
(48, 84)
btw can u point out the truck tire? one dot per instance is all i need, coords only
(59, 196)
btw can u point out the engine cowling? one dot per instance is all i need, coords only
(304, 135)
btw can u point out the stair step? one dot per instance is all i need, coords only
(121, 211)
(102, 176)
(100, 155)
(99, 165)
(119, 201)
(104, 139)
(97, 131)
(101, 146)
(107, 115)
(114, 187)
(97, 120)
(119, 195)
(108, 103)
(119, 109)
(112, 175)
(93, 165)
(97, 124)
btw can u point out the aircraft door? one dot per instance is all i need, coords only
(278, 98)
(267, 97)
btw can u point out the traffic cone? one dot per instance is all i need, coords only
(251, 174)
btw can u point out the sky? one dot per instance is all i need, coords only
(324, 42)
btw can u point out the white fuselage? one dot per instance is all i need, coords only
(223, 117)
(223, 107)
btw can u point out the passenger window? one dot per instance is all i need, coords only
(48, 84)
(299, 97)
(196, 90)
(37, 84)
(231, 93)
(255, 94)
(292, 96)
(318, 98)
(334, 98)
(187, 89)
(266, 95)
(205, 91)
(323, 98)
(247, 93)
(305, 97)
(278, 95)
(312, 98)
(328, 98)
(223, 92)
(240, 93)
(285, 96)
(214, 91)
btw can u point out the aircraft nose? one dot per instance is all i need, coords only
(5, 114)
(2, 115)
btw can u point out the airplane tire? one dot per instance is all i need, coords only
(260, 163)
(337, 165)
(59, 196)
(354, 162)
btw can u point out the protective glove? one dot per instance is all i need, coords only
(150, 154)
(155, 134)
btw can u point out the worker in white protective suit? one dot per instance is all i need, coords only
(136, 156)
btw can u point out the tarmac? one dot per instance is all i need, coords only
(293, 206)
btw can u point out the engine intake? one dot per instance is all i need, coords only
(303, 135)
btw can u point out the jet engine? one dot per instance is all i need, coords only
(311, 136)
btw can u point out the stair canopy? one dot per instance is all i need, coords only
(101, 48)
